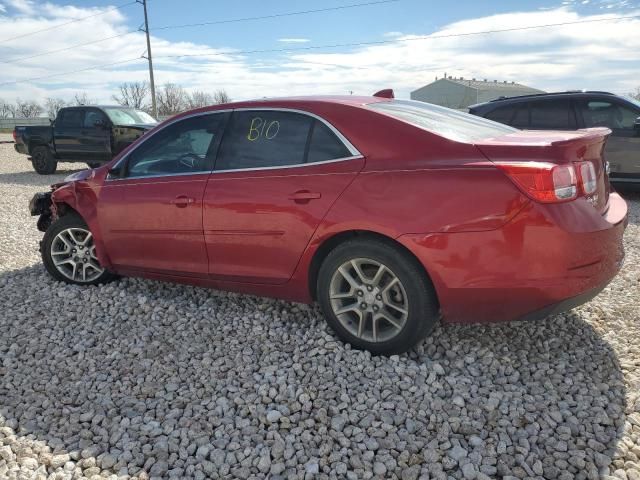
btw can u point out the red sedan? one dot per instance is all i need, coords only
(389, 213)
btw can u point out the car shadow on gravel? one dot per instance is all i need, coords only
(31, 178)
(146, 376)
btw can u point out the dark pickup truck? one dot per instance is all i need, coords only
(88, 134)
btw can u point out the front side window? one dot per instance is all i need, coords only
(93, 116)
(603, 113)
(554, 114)
(187, 146)
(71, 118)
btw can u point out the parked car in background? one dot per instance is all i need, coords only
(88, 134)
(575, 110)
(389, 213)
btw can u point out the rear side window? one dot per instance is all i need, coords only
(552, 115)
(521, 116)
(502, 114)
(515, 114)
(71, 118)
(325, 145)
(448, 123)
(264, 138)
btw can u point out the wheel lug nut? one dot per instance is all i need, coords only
(369, 287)
(375, 308)
(363, 306)
(378, 297)
(360, 293)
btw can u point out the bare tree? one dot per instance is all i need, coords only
(27, 109)
(221, 96)
(81, 98)
(6, 109)
(200, 99)
(172, 99)
(52, 105)
(635, 94)
(133, 94)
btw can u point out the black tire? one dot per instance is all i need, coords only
(43, 161)
(60, 225)
(421, 300)
(94, 164)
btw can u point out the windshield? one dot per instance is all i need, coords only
(128, 116)
(636, 102)
(451, 124)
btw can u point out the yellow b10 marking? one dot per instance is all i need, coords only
(262, 128)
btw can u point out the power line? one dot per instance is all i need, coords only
(78, 45)
(93, 42)
(94, 67)
(275, 15)
(378, 42)
(385, 42)
(69, 22)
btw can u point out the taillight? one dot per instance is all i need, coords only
(544, 182)
(588, 178)
(15, 136)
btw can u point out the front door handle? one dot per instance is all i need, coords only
(181, 201)
(304, 196)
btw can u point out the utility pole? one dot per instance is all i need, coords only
(154, 110)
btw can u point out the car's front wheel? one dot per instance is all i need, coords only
(376, 296)
(69, 253)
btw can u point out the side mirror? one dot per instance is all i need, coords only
(115, 172)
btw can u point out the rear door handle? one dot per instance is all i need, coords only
(181, 201)
(304, 196)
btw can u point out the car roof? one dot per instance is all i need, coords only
(102, 106)
(569, 93)
(352, 100)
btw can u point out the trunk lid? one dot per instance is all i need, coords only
(557, 147)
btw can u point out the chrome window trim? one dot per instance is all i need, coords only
(355, 154)
(281, 167)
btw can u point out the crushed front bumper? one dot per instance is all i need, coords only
(40, 203)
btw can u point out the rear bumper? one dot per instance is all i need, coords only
(21, 148)
(547, 259)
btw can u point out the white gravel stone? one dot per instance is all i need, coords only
(141, 379)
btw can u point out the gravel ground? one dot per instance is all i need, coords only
(145, 379)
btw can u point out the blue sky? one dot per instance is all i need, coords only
(602, 55)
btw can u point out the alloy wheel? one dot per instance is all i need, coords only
(369, 300)
(74, 255)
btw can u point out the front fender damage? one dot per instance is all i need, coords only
(45, 206)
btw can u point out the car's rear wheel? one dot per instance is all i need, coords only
(376, 297)
(69, 253)
(43, 161)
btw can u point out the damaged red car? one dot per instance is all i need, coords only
(391, 214)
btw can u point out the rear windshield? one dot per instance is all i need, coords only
(129, 116)
(448, 123)
(636, 102)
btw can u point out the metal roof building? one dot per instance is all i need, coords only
(461, 92)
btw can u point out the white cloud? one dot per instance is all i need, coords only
(598, 55)
(22, 6)
(294, 40)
